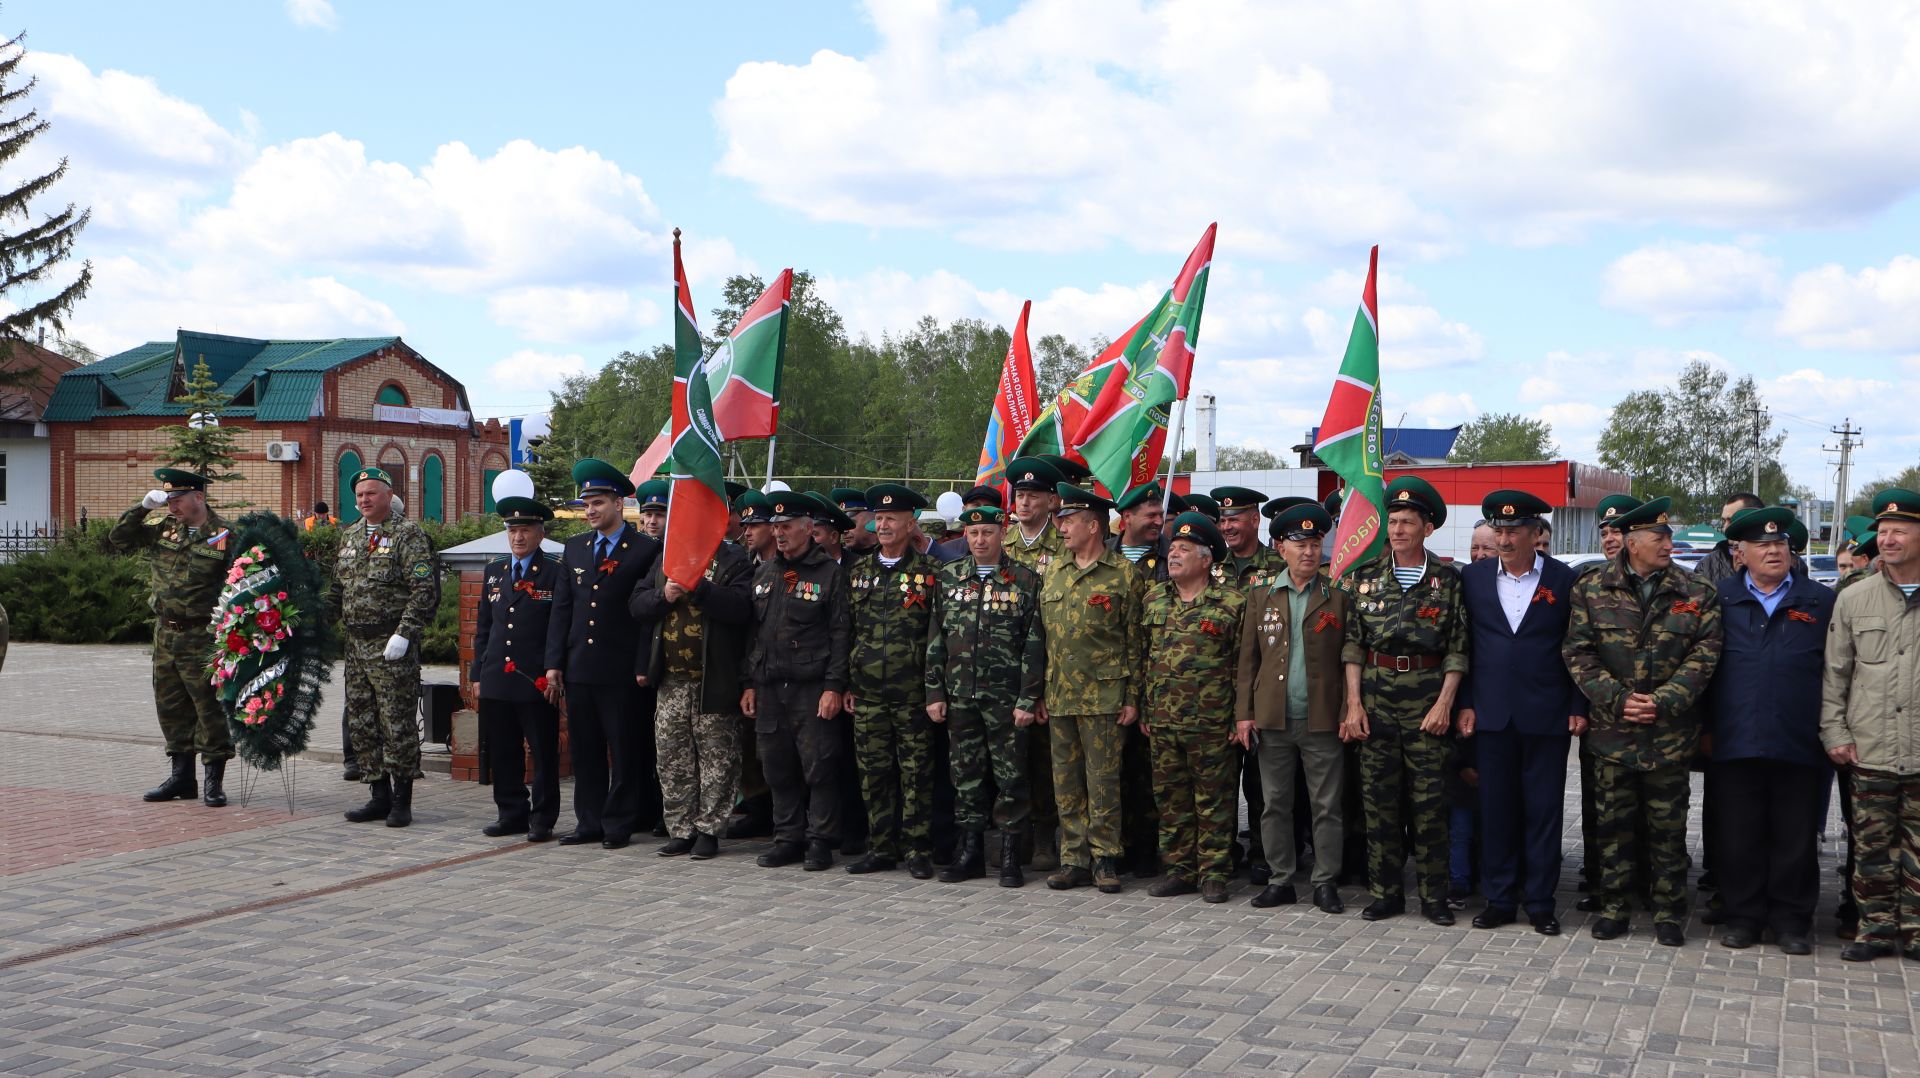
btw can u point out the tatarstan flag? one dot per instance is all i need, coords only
(1015, 407)
(1349, 438)
(1053, 432)
(1123, 436)
(697, 506)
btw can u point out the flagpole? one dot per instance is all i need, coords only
(771, 438)
(1173, 459)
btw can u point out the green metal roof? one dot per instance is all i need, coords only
(285, 376)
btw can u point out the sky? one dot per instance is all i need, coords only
(1572, 201)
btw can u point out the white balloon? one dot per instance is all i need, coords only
(950, 505)
(774, 487)
(512, 483)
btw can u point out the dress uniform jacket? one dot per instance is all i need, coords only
(593, 638)
(512, 625)
(1266, 645)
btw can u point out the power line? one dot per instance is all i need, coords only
(1847, 445)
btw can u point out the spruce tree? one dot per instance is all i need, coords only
(201, 444)
(31, 244)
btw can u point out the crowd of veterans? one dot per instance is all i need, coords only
(1088, 689)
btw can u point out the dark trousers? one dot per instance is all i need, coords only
(1766, 847)
(803, 757)
(1523, 785)
(1248, 765)
(603, 738)
(646, 760)
(512, 727)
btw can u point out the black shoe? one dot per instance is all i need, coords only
(705, 847)
(1714, 912)
(1213, 891)
(1609, 928)
(969, 862)
(1106, 875)
(853, 847)
(1865, 950)
(819, 856)
(1259, 873)
(920, 867)
(1708, 882)
(179, 785)
(1067, 877)
(1327, 898)
(660, 830)
(212, 791)
(1669, 934)
(501, 829)
(577, 837)
(1587, 904)
(749, 827)
(1382, 908)
(616, 842)
(1795, 943)
(1274, 894)
(1170, 885)
(872, 862)
(540, 832)
(379, 803)
(1738, 938)
(1911, 952)
(1437, 912)
(1546, 924)
(1010, 860)
(401, 814)
(352, 772)
(1494, 917)
(674, 847)
(782, 854)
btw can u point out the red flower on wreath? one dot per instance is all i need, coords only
(268, 620)
(1104, 602)
(236, 642)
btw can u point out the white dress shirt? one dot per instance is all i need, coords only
(1516, 592)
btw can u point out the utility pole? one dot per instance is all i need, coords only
(1848, 443)
(909, 477)
(1759, 419)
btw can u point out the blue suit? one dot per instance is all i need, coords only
(1521, 696)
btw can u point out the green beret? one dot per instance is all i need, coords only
(1070, 470)
(1773, 524)
(894, 498)
(652, 494)
(826, 514)
(1646, 516)
(180, 481)
(849, 499)
(1797, 535)
(980, 514)
(1034, 473)
(365, 474)
(1201, 503)
(1198, 528)
(1145, 492)
(1508, 508)
(522, 511)
(1307, 520)
(1078, 499)
(1894, 503)
(789, 505)
(1413, 492)
(1235, 500)
(752, 506)
(1612, 507)
(596, 476)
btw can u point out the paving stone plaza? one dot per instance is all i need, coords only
(147, 939)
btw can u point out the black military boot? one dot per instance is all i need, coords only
(379, 803)
(401, 812)
(213, 794)
(179, 785)
(1010, 860)
(969, 861)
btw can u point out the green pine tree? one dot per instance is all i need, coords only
(31, 245)
(201, 444)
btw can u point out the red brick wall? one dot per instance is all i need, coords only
(466, 761)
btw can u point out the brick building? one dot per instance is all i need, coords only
(308, 414)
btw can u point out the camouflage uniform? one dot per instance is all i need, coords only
(385, 585)
(1039, 557)
(1665, 645)
(1091, 616)
(1192, 656)
(986, 657)
(893, 738)
(187, 567)
(1401, 765)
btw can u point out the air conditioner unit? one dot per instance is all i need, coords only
(283, 451)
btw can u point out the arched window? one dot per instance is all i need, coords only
(432, 496)
(343, 505)
(393, 395)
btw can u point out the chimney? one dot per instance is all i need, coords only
(1203, 442)
(41, 340)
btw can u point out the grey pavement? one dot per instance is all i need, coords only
(543, 960)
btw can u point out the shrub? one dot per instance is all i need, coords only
(76, 595)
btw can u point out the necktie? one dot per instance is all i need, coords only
(606, 545)
(516, 572)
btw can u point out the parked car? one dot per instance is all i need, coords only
(1823, 568)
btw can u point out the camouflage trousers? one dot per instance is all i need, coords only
(1402, 790)
(1196, 786)
(383, 699)
(698, 757)
(1657, 800)
(893, 746)
(983, 743)
(1086, 785)
(191, 718)
(1886, 866)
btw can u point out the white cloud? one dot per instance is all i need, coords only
(312, 14)
(1675, 282)
(527, 376)
(573, 314)
(1876, 309)
(1075, 123)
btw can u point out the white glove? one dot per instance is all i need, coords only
(397, 646)
(155, 499)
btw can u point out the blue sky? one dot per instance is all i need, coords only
(1570, 203)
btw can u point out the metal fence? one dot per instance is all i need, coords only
(24, 537)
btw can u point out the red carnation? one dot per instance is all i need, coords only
(269, 620)
(540, 683)
(509, 666)
(236, 642)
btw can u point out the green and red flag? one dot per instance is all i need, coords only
(1015, 407)
(744, 376)
(1053, 432)
(697, 506)
(1349, 437)
(1125, 433)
